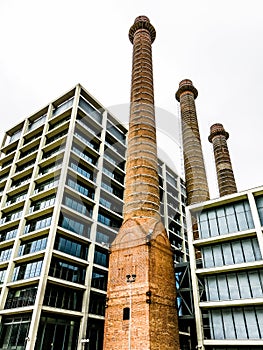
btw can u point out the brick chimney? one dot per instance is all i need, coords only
(141, 295)
(225, 176)
(195, 175)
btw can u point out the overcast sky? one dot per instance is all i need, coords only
(48, 46)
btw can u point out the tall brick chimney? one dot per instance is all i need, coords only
(225, 176)
(195, 175)
(141, 295)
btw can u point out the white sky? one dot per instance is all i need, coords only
(48, 46)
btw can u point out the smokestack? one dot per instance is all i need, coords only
(225, 176)
(141, 269)
(141, 196)
(195, 175)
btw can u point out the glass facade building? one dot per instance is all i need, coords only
(226, 250)
(61, 188)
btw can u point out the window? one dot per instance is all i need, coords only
(126, 313)
(8, 234)
(57, 333)
(232, 252)
(68, 246)
(63, 298)
(14, 331)
(2, 276)
(58, 122)
(67, 271)
(46, 185)
(63, 107)
(32, 246)
(101, 258)
(17, 198)
(25, 271)
(77, 205)
(81, 188)
(259, 202)
(87, 142)
(74, 225)
(105, 237)
(5, 254)
(44, 203)
(84, 172)
(116, 132)
(95, 333)
(19, 297)
(234, 286)
(226, 219)
(97, 304)
(37, 122)
(99, 279)
(53, 151)
(37, 224)
(15, 136)
(56, 137)
(87, 107)
(236, 323)
(108, 221)
(84, 155)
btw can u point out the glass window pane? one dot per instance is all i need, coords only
(227, 254)
(244, 285)
(208, 259)
(233, 286)
(251, 322)
(228, 324)
(255, 283)
(203, 226)
(248, 250)
(259, 314)
(237, 252)
(213, 224)
(256, 249)
(241, 216)
(222, 287)
(217, 324)
(239, 322)
(212, 288)
(221, 218)
(218, 258)
(248, 215)
(231, 219)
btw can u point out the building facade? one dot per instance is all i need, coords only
(226, 250)
(61, 191)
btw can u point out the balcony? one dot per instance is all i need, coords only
(40, 205)
(90, 110)
(11, 217)
(37, 122)
(63, 107)
(16, 199)
(8, 234)
(37, 224)
(46, 185)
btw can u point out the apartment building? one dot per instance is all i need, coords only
(61, 197)
(226, 250)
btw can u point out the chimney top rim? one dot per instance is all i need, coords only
(142, 22)
(217, 129)
(186, 85)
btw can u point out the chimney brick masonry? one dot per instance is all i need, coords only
(141, 296)
(225, 176)
(195, 175)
